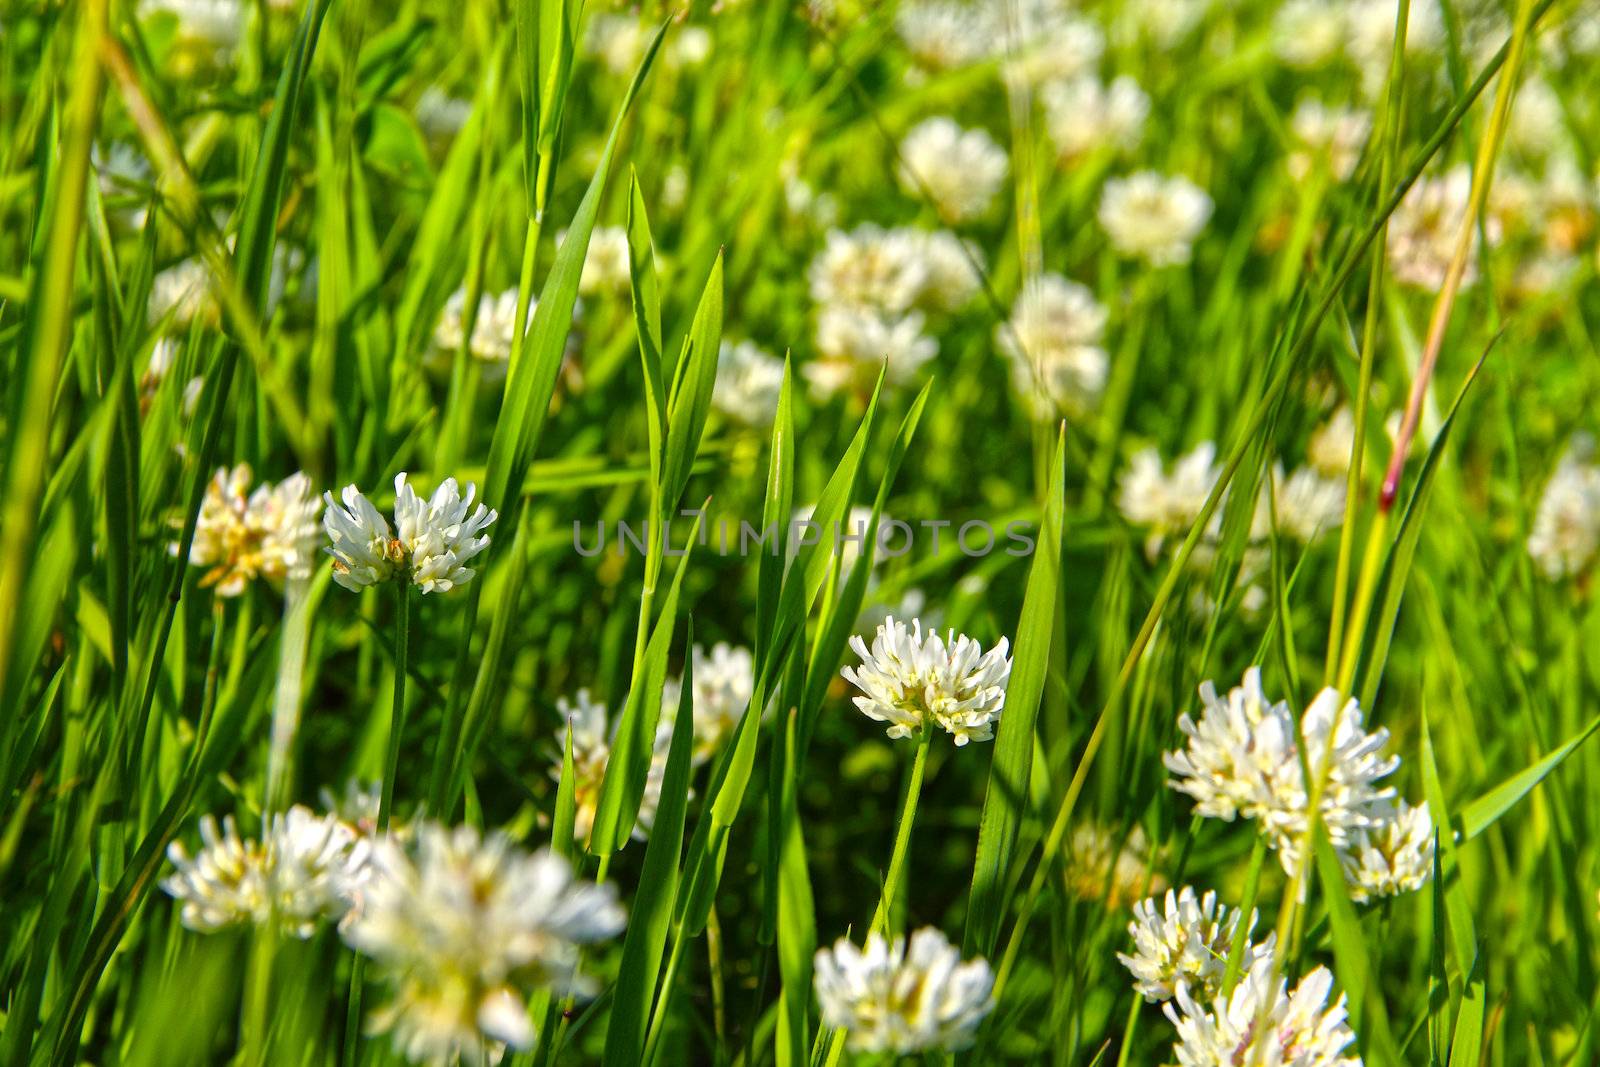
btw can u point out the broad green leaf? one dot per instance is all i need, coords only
(1482, 813)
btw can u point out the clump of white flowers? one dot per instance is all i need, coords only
(605, 264)
(464, 927)
(1185, 943)
(869, 266)
(182, 294)
(207, 30)
(1394, 858)
(749, 381)
(1084, 115)
(724, 681)
(1566, 528)
(945, 34)
(1167, 503)
(272, 533)
(1326, 139)
(306, 870)
(1306, 504)
(960, 170)
(915, 682)
(493, 329)
(855, 341)
(1425, 225)
(1243, 759)
(1154, 218)
(951, 271)
(1329, 450)
(1263, 1023)
(593, 734)
(429, 546)
(1103, 867)
(1045, 39)
(1054, 341)
(892, 997)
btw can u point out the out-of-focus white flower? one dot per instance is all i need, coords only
(1104, 868)
(182, 294)
(1326, 138)
(1309, 33)
(724, 680)
(308, 870)
(854, 342)
(593, 733)
(749, 381)
(1154, 218)
(951, 269)
(1370, 41)
(1054, 342)
(915, 682)
(1424, 228)
(690, 46)
(1167, 503)
(618, 41)
(123, 174)
(356, 805)
(272, 533)
(1084, 115)
(431, 544)
(960, 170)
(1566, 528)
(493, 331)
(464, 927)
(1164, 24)
(207, 29)
(869, 267)
(1540, 128)
(1262, 1023)
(1047, 39)
(1396, 857)
(945, 34)
(845, 539)
(1186, 944)
(1243, 759)
(805, 204)
(605, 265)
(1330, 446)
(1307, 505)
(894, 1000)
(441, 115)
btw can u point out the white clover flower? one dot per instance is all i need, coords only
(1262, 1023)
(952, 269)
(441, 115)
(689, 47)
(182, 294)
(464, 927)
(1167, 503)
(1084, 115)
(1370, 42)
(1054, 342)
(308, 870)
(1046, 39)
(605, 264)
(207, 29)
(1328, 452)
(1541, 125)
(748, 384)
(1309, 33)
(1186, 944)
(1566, 528)
(593, 734)
(1165, 24)
(894, 1000)
(945, 34)
(854, 342)
(1308, 504)
(430, 546)
(915, 682)
(1425, 225)
(962, 171)
(1394, 858)
(1243, 759)
(1327, 138)
(1154, 218)
(870, 267)
(356, 805)
(493, 331)
(618, 41)
(724, 682)
(272, 533)
(1101, 867)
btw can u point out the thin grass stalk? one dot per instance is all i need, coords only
(902, 836)
(397, 717)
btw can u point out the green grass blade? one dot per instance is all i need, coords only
(690, 400)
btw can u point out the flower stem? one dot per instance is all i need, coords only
(1247, 908)
(902, 837)
(397, 719)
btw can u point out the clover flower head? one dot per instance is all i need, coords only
(1154, 218)
(1393, 858)
(724, 682)
(1425, 226)
(1106, 867)
(1184, 941)
(1329, 138)
(961, 171)
(1054, 341)
(1167, 503)
(854, 342)
(464, 927)
(429, 546)
(952, 269)
(1262, 1023)
(1084, 115)
(894, 997)
(493, 330)
(1307, 504)
(870, 267)
(1566, 526)
(593, 734)
(914, 681)
(749, 381)
(944, 34)
(605, 264)
(270, 533)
